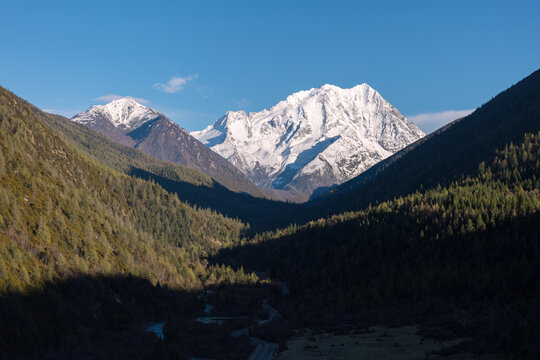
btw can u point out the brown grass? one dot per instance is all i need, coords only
(379, 343)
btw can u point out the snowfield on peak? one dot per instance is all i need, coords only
(124, 113)
(131, 124)
(312, 140)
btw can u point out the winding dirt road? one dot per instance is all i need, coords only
(265, 350)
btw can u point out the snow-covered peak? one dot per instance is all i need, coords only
(313, 138)
(363, 93)
(124, 113)
(359, 93)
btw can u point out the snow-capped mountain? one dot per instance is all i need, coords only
(124, 113)
(312, 140)
(132, 124)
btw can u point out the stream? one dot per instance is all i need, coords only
(265, 350)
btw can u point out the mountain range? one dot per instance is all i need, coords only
(190, 185)
(313, 140)
(298, 149)
(98, 239)
(132, 124)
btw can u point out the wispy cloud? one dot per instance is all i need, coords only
(430, 122)
(174, 85)
(243, 102)
(112, 97)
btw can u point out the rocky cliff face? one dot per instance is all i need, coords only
(313, 140)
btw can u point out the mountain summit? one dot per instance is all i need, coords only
(124, 113)
(312, 140)
(130, 123)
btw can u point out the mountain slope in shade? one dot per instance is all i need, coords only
(132, 124)
(314, 139)
(446, 155)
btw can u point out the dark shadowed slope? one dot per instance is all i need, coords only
(453, 241)
(448, 154)
(462, 258)
(107, 317)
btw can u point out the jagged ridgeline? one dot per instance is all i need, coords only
(63, 213)
(312, 140)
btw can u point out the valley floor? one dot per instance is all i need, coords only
(376, 343)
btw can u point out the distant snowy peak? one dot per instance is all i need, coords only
(324, 107)
(129, 123)
(124, 113)
(314, 138)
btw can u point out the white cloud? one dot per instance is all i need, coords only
(430, 122)
(174, 85)
(111, 97)
(243, 102)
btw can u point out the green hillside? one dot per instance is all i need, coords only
(63, 213)
(444, 234)
(119, 157)
(191, 186)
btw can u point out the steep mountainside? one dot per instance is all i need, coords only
(455, 247)
(124, 114)
(462, 260)
(448, 154)
(313, 139)
(90, 256)
(63, 213)
(132, 124)
(191, 185)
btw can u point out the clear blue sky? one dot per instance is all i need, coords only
(422, 56)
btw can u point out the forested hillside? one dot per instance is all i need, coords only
(89, 255)
(191, 186)
(474, 244)
(62, 214)
(445, 233)
(448, 231)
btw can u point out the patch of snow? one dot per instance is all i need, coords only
(124, 113)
